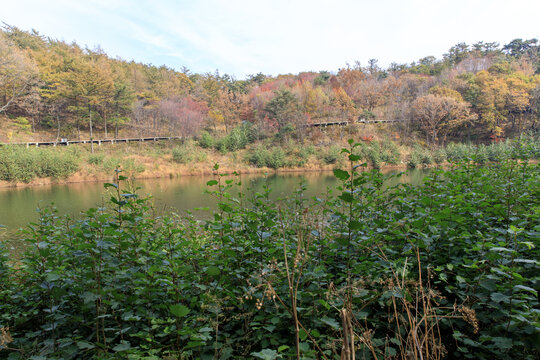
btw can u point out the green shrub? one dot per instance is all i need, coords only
(262, 157)
(420, 156)
(498, 152)
(25, 164)
(527, 146)
(206, 140)
(95, 159)
(57, 164)
(182, 155)
(238, 138)
(481, 155)
(22, 123)
(458, 152)
(439, 155)
(389, 152)
(258, 156)
(128, 165)
(276, 158)
(373, 155)
(467, 267)
(332, 155)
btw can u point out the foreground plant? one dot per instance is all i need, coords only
(447, 269)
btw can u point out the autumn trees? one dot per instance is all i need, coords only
(283, 108)
(438, 115)
(18, 74)
(477, 90)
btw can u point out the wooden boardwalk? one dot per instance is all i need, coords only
(359, 121)
(168, 138)
(98, 142)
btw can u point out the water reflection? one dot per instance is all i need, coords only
(18, 205)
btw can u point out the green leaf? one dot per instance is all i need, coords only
(123, 346)
(266, 354)
(347, 197)
(498, 297)
(213, 271)
(526, 288)
(179, 310)
(89, 297)
(107, 185)
(354, 157)
(341, 174)
(212, 183)
(324, 303)
(502, 342)
(331, 322)
(302, 334)
(355, 225)
(83, 345)
(52, 277)
(283, 348)
(390, 351)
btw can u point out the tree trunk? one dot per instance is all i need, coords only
(105, 121)
(58, 126)
(91, 133)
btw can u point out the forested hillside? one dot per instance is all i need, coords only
(49, 88)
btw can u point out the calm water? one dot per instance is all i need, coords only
(18, 205)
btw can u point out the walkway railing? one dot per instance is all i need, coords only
(345, 123)
(98, 141)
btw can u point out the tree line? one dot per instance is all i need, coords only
(475, 91)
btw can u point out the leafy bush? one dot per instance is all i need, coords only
(206, 140)
(238, 138)
(421, 271)
(258, 156)
(128, 164)
(420, 156)
(389, 152)
(303, 153)
(22, 123)
(527, 146)
(95, 159)
(439, 155)
(372, 154)
(262, 157)
(332, 155)
(458, 152)
(181, 155)
(276, 158)
(481, 155)
(25, 164)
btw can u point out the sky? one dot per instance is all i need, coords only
(242, 37)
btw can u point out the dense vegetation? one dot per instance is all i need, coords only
(445, 269)
(51, 89)
(23, 165)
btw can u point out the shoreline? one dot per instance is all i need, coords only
(79, 177)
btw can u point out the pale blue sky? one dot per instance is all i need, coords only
(243, 37)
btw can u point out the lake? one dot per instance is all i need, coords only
(18, 206)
